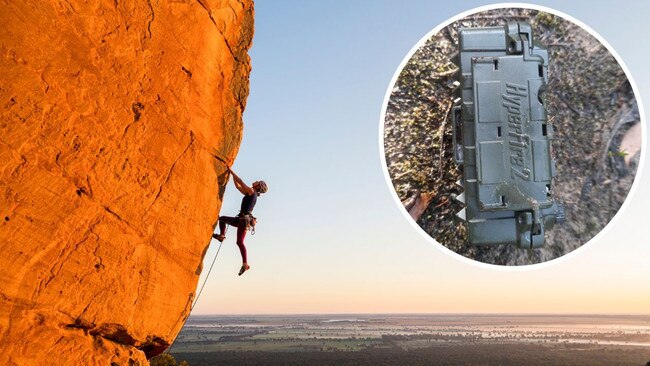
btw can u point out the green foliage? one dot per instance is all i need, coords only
(166, 359)
(547, 19)
(621, 153)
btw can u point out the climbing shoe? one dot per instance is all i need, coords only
(219, 237)
(245, 267)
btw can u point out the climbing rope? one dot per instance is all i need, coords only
(196, 299)
(206, 277)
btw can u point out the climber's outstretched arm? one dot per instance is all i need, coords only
(240, 185)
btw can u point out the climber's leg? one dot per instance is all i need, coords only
(241, 234)
(223, 221)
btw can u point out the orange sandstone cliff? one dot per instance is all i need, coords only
(113, 112)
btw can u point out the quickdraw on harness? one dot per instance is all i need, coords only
(249, 221)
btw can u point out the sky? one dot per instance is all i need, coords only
(330, 237)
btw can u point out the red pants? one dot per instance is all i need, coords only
(240, 224)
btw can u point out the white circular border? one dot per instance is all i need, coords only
(437, 29)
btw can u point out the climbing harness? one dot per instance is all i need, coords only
(248, 221)
(251, 221)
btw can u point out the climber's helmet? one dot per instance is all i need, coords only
(260, 186)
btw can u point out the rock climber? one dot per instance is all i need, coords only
(244, 220)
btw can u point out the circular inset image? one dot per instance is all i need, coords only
(511, 136)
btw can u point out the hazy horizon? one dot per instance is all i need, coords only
(415, 339)
(406, 313)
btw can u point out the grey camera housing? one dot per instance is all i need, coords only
(502, 137)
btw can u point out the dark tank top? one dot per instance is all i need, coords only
(248, 202)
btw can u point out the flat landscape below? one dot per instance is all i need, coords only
(415, 339)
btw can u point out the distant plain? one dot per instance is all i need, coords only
(415, 339)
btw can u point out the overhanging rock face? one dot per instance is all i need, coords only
(112, 115)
